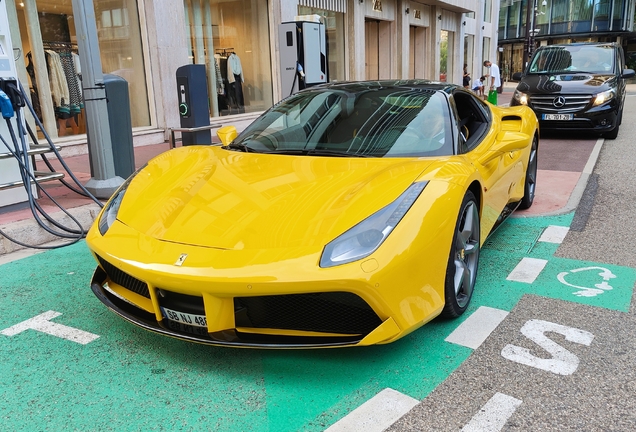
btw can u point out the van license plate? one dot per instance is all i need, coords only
(557, 116)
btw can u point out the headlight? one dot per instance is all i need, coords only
(603, 97)
(364, 238)
(109, 214)
(521, 97)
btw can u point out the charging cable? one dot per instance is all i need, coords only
(10, 104)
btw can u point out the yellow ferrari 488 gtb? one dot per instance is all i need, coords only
(347, 214)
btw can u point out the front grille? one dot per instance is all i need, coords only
(573, 103)
(124, 279)
(334, 312)
(181, 302)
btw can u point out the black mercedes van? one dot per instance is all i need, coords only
(577, 86)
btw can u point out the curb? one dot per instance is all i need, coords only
(29, 232)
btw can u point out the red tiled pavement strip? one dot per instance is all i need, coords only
(553, 192)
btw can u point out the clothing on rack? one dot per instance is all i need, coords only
(234, 68)
(230, 71)
(59, 86)
(235, 78)
(35, 98)
(78, 72)
(65, 78)
(220, 88)
(75, 96)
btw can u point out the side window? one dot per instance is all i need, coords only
(473, 120)
(460, 148)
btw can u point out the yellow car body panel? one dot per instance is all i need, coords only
(215, 224)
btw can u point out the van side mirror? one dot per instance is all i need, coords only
(628, 73)
(517, 76)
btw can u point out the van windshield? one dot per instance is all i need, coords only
(591, 59)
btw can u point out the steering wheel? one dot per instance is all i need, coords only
(463, 128)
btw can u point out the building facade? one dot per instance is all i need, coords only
(145, 42)
(562, 21)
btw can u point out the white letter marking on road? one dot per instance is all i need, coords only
(563, 362)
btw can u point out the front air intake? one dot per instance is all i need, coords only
(124, 279)
(331, 312)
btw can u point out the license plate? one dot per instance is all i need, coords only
(186, 328)
(184, 318)
(557, 116)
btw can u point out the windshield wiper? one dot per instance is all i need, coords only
(239, 146)
(317, 152)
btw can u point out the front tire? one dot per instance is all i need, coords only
(461, 272)
(531, 177)
(613, 134)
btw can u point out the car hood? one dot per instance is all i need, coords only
(578, 83)
(208, 196)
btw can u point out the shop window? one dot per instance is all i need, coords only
(231, 38)
(53, 66)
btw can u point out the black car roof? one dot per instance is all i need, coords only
(353, 86)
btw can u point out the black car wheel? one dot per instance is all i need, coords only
(461, 272)
(531, 177)
(613, 134)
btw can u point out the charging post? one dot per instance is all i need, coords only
(303, 53)
(194, 111)
(9, 167)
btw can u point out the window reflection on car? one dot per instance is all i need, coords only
(378, 122)
(597, 59)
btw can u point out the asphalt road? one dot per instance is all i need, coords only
(584, 380)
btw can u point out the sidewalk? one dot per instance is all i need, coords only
(18, 222)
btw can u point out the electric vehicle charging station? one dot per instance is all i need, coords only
(9, 167)
(303, 53)
(194, 111)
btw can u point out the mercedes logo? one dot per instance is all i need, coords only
(558, 101)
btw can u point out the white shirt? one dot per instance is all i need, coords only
(234, 68)
(494, 73)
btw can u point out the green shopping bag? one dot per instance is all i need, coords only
(492, 97)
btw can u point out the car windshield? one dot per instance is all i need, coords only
(572, 59)
(371, 122)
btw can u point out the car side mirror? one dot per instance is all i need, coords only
(226, 134)
(517, 76)
(628, 73)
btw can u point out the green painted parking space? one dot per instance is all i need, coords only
(518, 239)
(131, 379)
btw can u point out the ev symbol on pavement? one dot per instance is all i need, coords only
(600, 288)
